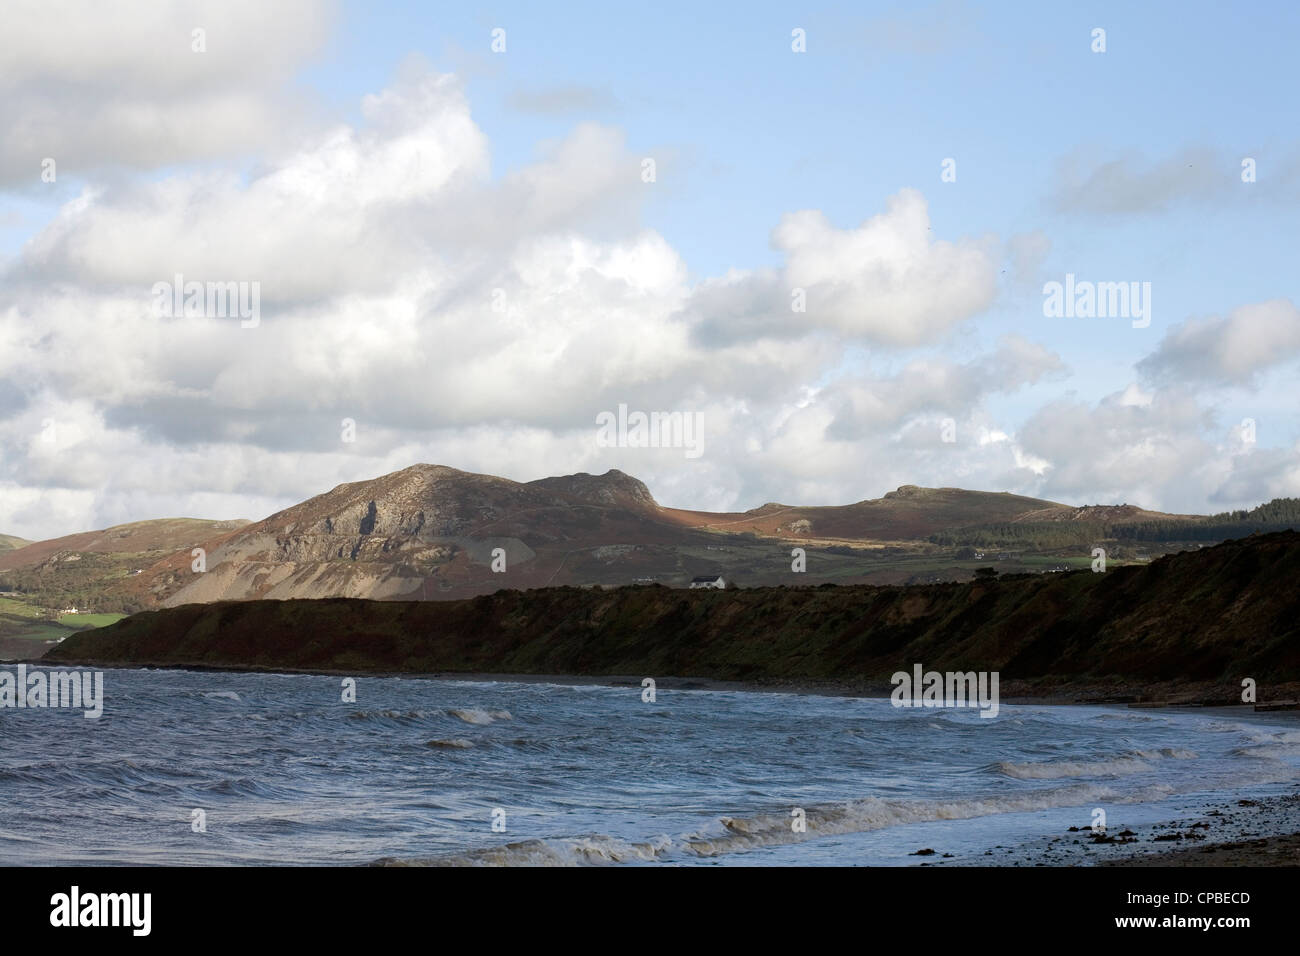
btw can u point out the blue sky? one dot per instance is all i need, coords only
(1009, 90)
(1115, 166)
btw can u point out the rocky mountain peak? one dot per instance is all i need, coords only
(614, 487)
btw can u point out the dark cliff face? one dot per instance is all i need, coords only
(1217, 615)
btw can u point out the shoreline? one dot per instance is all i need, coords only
(1084, 693)
(1280, 850)
(1223, 832)
(1069, 639)
(1251, 832)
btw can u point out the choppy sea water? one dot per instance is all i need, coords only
(420, 770)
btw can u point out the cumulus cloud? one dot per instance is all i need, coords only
(889, 281)
(1258, 475)
(450, 314)
(1227, 350)
(1163, 450)
(96, 85)
(484, 321)
(1118, 449)
(935, 386)
(312, 226)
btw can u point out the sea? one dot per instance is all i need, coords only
(214, 768)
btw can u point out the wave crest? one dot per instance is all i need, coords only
(475, 715)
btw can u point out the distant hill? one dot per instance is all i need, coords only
(1136, 527)
(163, 534)
(1198, 622)
(91, 568)
(1097, 514)
(903, 515)
(430, 532)
(10, 543)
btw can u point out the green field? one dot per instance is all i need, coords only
(1039, 561)
(82, 621)
(27, 630)
(13, 607)
(9, 543)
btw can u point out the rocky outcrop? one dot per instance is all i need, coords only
(613, 488)
(422, 531)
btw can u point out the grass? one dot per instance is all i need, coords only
(1071, 561)
(79, 621)
(47, 631)
(11, 607)
(25, 621)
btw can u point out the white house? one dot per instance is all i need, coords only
(709, 582)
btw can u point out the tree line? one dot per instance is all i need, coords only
(1280, 514)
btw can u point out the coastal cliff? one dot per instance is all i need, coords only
(1203, 619)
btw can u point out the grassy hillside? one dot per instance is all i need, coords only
(93, 569)
(10, 543)
(27, 630)
(1209, 617)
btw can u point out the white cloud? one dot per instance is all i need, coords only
(484, 322)
(934, 386)
(118, 84)
(888, 281)
(1258, 475)
(1228, 350)
(1162, 450)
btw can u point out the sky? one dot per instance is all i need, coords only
(826, 233)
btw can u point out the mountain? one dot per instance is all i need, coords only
(427, 531)
(430, 532)
(1195, 623)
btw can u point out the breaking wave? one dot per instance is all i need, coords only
(592, 850)
(387, 715)
(738, 834)
(1137, 762)
(473, 715)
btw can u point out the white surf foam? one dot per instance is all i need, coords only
(474, 715)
